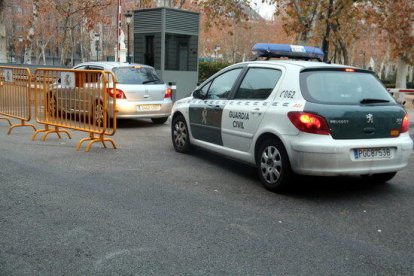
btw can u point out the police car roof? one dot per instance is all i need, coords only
(300, 63)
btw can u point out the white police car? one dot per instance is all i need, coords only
(287, 117)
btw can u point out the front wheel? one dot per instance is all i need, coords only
(159, 121)
(179, 134)
(273, 165)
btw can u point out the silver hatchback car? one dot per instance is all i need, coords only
(140, 92)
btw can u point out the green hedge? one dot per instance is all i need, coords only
(207, 69)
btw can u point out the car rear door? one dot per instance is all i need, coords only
(245, 111)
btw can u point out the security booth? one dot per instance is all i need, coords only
(167, 39)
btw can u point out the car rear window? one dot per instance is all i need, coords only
(136, 75)
(338, 86)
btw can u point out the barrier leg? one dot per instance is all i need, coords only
(79, 145)
(40, 131)
(57, 131)
(7, 119)
(22, 124)
(93, 140)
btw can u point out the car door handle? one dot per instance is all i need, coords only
(215, 107)
(256, 111)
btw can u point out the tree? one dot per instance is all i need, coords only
(3, 43)
(75, 14)
(298, 18)
(396, 19)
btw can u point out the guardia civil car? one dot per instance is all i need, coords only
(290, 117)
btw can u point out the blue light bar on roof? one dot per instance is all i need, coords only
(269, 50)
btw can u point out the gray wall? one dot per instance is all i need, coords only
(186, 82)
(182, 26)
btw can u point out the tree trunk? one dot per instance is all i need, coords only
(402, 71)
(325, 42)
(31, 33)
(43, 54)
(3, 45)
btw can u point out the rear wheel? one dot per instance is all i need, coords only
(159, 121)
(98, 114)
(273, 165)
(179, 134)
(52, 108)
(379, 177)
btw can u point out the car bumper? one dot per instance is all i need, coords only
(128, 109)
(321, 155)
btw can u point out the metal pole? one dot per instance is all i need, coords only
(128, 58)
(118, 31)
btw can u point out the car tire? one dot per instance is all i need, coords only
(98, 114)
(379, 177)
(273, 165)
(180, 135)
(159, 121)
(52, 109)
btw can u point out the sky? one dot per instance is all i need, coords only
(265, 10)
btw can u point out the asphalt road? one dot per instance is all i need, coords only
(146, 210)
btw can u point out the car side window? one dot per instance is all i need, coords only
(222, 85)
(258, 83)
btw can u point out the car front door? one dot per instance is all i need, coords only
(207, 107)
(245, 110)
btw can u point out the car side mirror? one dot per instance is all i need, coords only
(198, 94)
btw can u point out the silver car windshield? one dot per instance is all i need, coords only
(136, 75)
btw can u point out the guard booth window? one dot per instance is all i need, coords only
(180, 52)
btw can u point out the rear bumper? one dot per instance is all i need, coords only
(321, 155)
(128, 109)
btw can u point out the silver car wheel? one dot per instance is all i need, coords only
(99, 114)
(271, 164)
(180, 134)
(52, 105)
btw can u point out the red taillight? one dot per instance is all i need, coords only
(168, 93)
(405, 124)
(349, 70)
(310, 123)
(116, 93)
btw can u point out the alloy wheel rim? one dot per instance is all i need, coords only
(52, 105)
(180, 134)
(99, 114)
(271, 164)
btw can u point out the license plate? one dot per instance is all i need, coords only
(373, 153)
(149, 107)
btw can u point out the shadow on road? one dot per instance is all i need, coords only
(304, 186)
(135, 123)
(336, 187)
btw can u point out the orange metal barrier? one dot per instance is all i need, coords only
(76, 99)
(15, 86)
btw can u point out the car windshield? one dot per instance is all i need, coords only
(339, 86)
(136, 75)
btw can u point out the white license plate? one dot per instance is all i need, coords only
(149, 107)
(373, 153)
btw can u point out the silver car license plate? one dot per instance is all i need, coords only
(373, 153)
(149, 107)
